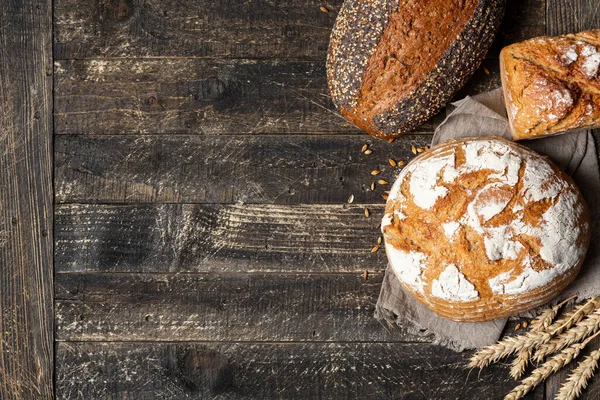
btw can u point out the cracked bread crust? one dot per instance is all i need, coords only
(483, 228)
(552, 84)
(392, 65)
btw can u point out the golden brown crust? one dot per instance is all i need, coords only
(480, 242)
(392, 65)
(552, 84)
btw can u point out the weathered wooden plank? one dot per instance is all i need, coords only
(571, 16)
(172, 238)
(523, 19)
(197, 96)
(226, 29)
(224, 169)
(217, 307)
(26, 348)
(269, 371)
(191, 28)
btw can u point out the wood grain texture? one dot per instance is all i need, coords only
(572, 16)
(269, 371)
(199, 169)
(172, 238)
(26, 349)
(523, 19)
(252, 29)
(195, 96)
(221, 307)
(198, 96)
(296, 29)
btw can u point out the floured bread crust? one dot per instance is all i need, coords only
(483, 228)
(552, 84)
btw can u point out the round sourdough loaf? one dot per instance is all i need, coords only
(483, 228)
(394, 64)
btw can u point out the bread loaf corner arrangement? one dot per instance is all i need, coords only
(394, 64)
(483, 228)
(552, 84)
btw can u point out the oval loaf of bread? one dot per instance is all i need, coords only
(483, 228)
(394, 64)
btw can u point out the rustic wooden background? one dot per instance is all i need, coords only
(203, 244)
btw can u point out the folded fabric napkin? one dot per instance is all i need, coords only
(575, 153)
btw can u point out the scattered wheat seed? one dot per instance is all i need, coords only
(372, 185)
(391, 140)
(384, 196)
(382, 182)
(413, 149)
(368, 152)
(366, 275)
(524, 324)
(426, 148)
(324, 9)
(364, 148)
(367, 212)
(351, 199)
(402, 163)
(487, 71)
(379, 240)
(517, 327)
(375, 172)
(375, 249)
(392, 162)
(420, 150)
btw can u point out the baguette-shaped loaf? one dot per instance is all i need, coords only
(552, 84)
(480, 229)
(394, 64)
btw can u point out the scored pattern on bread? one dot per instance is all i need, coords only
(394, 64)
(480, 229)
(552, 84)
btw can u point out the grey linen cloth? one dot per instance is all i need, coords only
(575, 153)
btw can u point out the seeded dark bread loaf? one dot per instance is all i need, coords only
(552, 84)
(483, 228)
(394, 64)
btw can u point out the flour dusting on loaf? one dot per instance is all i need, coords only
(483, 228)
(552, 84)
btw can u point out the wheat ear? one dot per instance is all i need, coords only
(541, 323)
(511, 345)
(578, 380)
(506, 347)
(573, 317)
(583, 329)
(553, 365)
(546, 317)
(520, 363)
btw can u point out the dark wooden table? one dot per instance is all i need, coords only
(173, 207)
